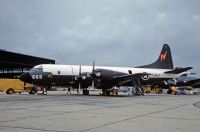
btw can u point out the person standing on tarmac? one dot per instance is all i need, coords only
(78, 91)
(69, 90)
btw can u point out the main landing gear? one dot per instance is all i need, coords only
(85, 92)
(139, 90)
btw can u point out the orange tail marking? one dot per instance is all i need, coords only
(163, 56)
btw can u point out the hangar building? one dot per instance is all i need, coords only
(14, 64)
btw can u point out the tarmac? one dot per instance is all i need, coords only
(59, 112)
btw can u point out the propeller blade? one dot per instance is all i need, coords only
(79, 87)
(80, 71)
(92, 83)
(93, 67)
(93, 73)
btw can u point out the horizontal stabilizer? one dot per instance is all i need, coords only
(178, 70)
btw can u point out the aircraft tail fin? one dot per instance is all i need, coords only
(164, 60)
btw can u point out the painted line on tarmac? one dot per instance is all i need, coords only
(135, 117)
(197, 104)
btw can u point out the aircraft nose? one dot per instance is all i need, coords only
(26, 77)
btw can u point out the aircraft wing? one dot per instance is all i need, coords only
(127, 78)
(178, 70)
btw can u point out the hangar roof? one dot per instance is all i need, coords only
(10, 60)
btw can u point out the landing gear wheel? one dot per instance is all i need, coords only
(115, 91)
(169, 91)
(104, 92)
(108, 92)
(85, 92)
(33, 91)
(112, 93)
(147, 92)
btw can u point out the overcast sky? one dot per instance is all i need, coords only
(111, 32)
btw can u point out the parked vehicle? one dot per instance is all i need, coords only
(149, 89)
(11, 86)
(180, 90)
(184, 90)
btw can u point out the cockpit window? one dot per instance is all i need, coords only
(37, 70)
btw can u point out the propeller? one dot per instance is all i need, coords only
(79, 78)
(93, 72)
(85, 76)
(79, 84)
(93, 69)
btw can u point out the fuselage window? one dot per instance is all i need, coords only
(59, 72)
